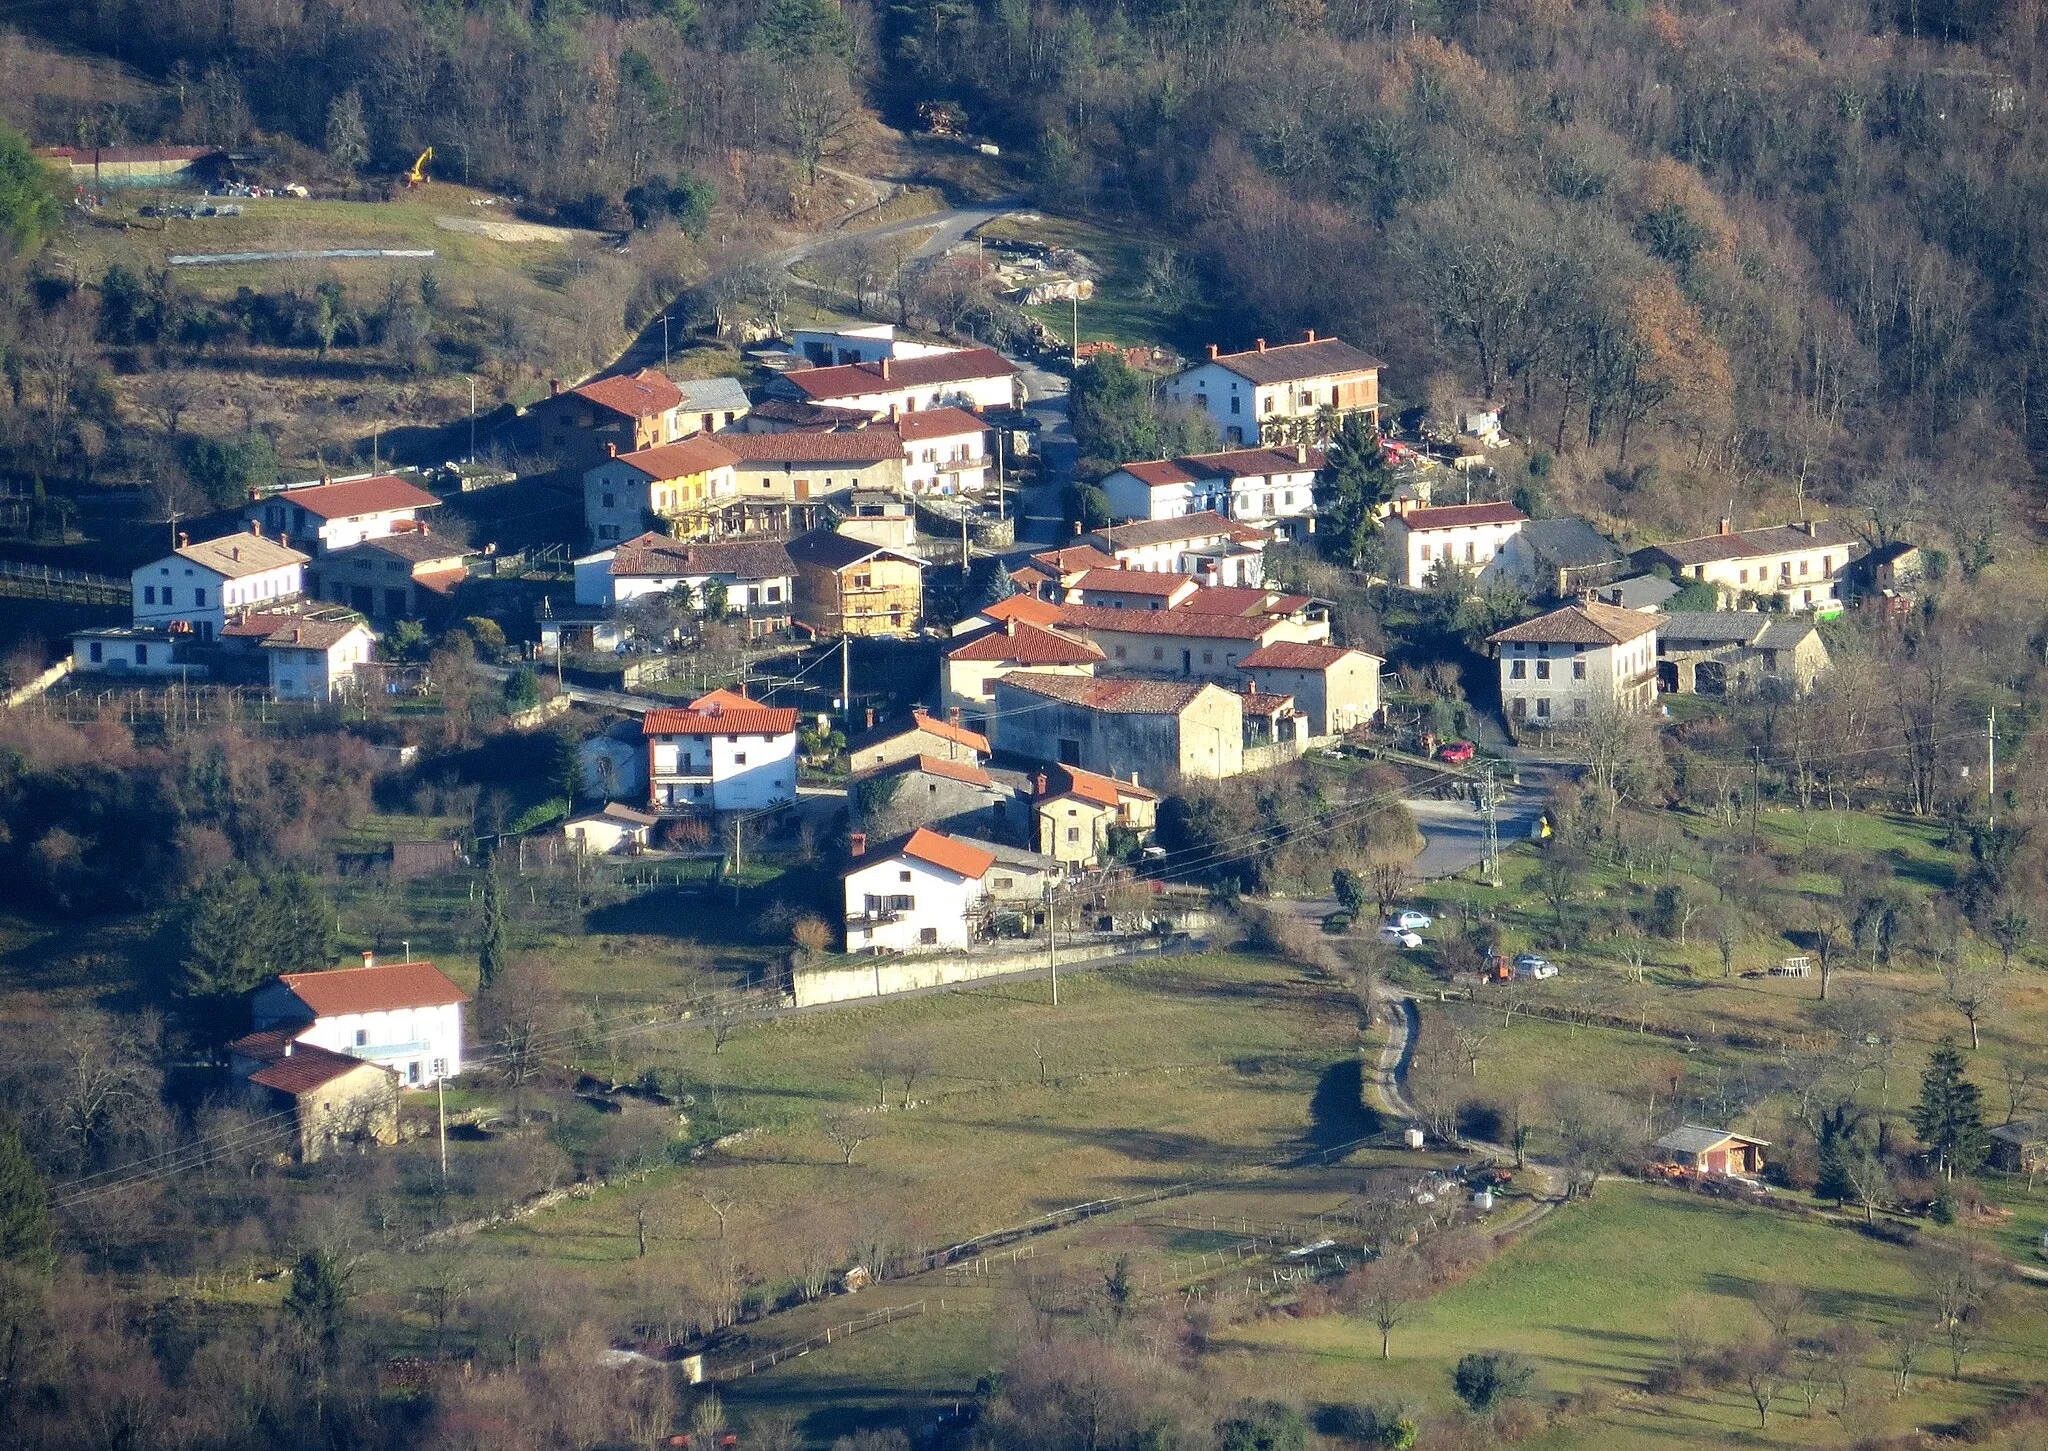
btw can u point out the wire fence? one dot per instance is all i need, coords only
(47, 582)
(887, 1315)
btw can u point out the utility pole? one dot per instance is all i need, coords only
(1489, 805)
(1001, 503)
(846, 681)
(472, 420)
(441, 1094)
(1075, 355)
(961, 500)
(664, 340)
(1052, 952)
(1991, 768)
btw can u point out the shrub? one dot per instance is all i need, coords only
(1487, 1378)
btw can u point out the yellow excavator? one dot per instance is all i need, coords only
(418, 175)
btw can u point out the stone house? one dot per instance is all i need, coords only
(1074, 810)
(969, 671)
(1735, 652)
(918, 734)
(1163, 730)
(1336, 687)
(334, 1100)
(952, 796)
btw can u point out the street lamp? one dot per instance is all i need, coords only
(472, 417)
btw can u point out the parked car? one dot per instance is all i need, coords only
(1458, 752)
(1530, 965)
(1410, 920)
(1398, 936)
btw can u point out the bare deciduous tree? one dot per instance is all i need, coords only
(847, 1131)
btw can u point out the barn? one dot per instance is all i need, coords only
(1712, 1151)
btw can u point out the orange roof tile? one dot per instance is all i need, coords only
(697, 454)
(1462, 516)
(1292, 655)
(642, 395)
(943, 851)
(1028, 609)
(307, 1067)
(1028, 645)
(1132, 582)
(379, 494)
(718, 718)
(924, 423)
(374, 989)
(853, 380)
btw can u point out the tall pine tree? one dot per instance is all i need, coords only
(26, 1240)
(241, 929)
(1838, 1146)
(490, 951)
(1350, 488)
(1949, 1117)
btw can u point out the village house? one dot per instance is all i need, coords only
(1644, 592)
(953, 796)
(710, 404)
(781, 480)
(316, 659)
(945, 451)
(1265, 394)
(1711, 1151)
(407, 576)
(612, 766)
(1467, 536)
(1800, 566)
(1735, 652)
(969, 671)
(917, 734)
(1206, 546)
(1275, 730)
(868, 343)
(334, 1100)
(1336, 687)
(333, 514)
(757, 575)
(1020, 878)
(1555, 559)
(973, 378)
(848, 586)
(1023, 609)
(673, 488)
(920, 894)
(793, 415)
(1131, 589)
(1075, 809)
(128, 650)
(1185, 643)
(614, 829)
(724, 752)
(877, 516)
(1164, 730)
(1049, 573)
(619, 414)
(1269, 486)
(196, 587)
(1575, 662)
(405, 1016)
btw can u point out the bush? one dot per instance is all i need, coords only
(1338, 922)
(1262, 1426)
(1487, 1378)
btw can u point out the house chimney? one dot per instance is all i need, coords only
(256, 527)
(554, 387)
(885, 370)
(611, 450)
(1212, 352)
(1077, 528)
(183, 539)
(871, 717)
(1301, 449)
(892, 412)
(369, 958)
(953, 715)
(288, 1046)
(235, 553)
(299, 638)
(1310, 336)
(856, 843)
(1041, 783)
(1727, 526)
(1134, 778)
(1262, 345)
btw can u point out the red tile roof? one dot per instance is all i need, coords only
(1463, 516)
(1291, 362)
(1160, 473)
(1190, 623)
(862, 445)
(1132, 582)
(1239, 599)
(641, 396)
(1116, 695)
(1591, 623)
(943, 851)
(921, 424)
(307, 1067)
(1246, 463)
(267, 1045)
(853, 380)
(721, 713)
(947, 731)
(1028, 609)
(964, 771)
(301, 634)
(1074, 557)
(1028, 645)
(379, 494)
(1102, 790)
(1291, 655)
(1265, 702)
(698, 454)
(375, 989)
(260, 626)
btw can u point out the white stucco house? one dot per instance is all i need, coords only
(125, 650)
(1257, 393)
(832, 347)
(316, 659)
(723, 753)
(974, 378)
(1581, 661)
(1252, 485)
(757, 574)
(916, 895)
(1210, 548)
(197, 586)
(405, 1016)
(945, 451)
(336, 513)
(1466, 535)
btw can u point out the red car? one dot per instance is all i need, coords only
(1457, 752)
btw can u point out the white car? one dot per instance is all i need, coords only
(1398, 936)
(1530, 965)
(1410, 920)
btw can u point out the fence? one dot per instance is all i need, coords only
(47, 582)
(888, 1315)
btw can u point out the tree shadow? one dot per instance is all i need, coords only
(1337, 1111)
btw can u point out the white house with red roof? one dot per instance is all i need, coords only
(198, 587)
(1206, 546)
(1131, 589)
(1467, 536)
(970, 670)
(1270, 486)
(1262, 391)
(915, 895)
(405, 1016)
(335, 513)
(945, 451)
(315, 658)
(1336, 687)
(724, 752)
(976, 378)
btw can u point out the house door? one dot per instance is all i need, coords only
(1667, 676)
(362, 599)
(1717, 1161)
(803, 488)
(1070, 752)
(1187, 662)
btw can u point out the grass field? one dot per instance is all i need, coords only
(1121, 311)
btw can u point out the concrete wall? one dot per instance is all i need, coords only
(885, 976)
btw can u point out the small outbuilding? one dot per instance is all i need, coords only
(1712, 1151)
(2020, 1148)
(612, 830)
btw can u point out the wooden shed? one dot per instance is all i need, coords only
(1712, 1151)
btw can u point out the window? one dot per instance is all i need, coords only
(1742, 576)
(1542, 705)
(1471, 551)
(903, 876)
(1233, 405)
(412, 1072)
(1158, 652)
(739, 758)
(1518, 670)
(1073, 833)
(1208, 657)
(928, 936)
(1578, 670)
(611, 501)
(95, 649)
(774, 594)
(149, 594)
(1119, 652)
(1805, 565)
(1827, 564)
(903, 904)
(142, 654)
(1542, 669)
(362, 1037)
(1425, 554)
(863, 581)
